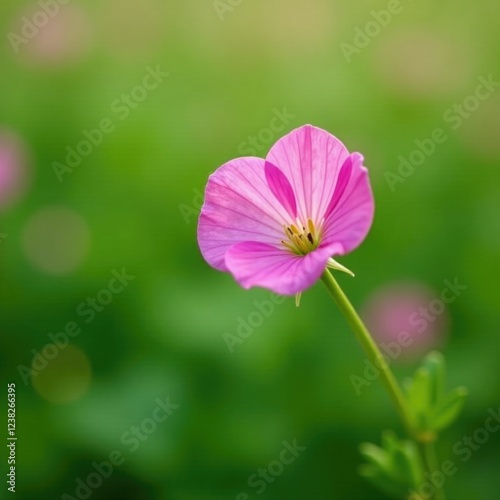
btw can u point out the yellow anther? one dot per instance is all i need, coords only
(311, 227)
(301, 241)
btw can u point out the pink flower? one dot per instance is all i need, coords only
(276, 223)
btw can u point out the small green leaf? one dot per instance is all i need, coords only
(416, 472)
(375, 455)
(435, 364)
(395, 467)
(389, 441)
(449, 409)
(382, 481)
(407, 381)
(418, 395)
(401, 466)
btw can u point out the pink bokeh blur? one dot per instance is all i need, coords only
(14, 171)
(409, 307)
(42, 39)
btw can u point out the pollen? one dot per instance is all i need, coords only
(301, 238)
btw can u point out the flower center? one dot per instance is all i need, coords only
(301, 239)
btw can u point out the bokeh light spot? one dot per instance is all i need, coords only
(134, 31)
(14, 174)
(56, 37)
(56, 240)
(421, 64)
(406, 310)
(67, 376)
(480, 131)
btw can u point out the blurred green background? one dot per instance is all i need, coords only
(131, 202)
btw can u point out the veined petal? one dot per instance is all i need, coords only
(259, 264)
(343, 180)
(239, 206)
(311, 159)
(281, 188)
(350, 211)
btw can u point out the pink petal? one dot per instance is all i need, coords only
(342, 182)
(259, 264)
(350, 211)
(311, 159)
(239, 206)
(281, 188)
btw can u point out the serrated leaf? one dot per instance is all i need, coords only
(449, 409)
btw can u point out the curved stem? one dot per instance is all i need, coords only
(376, 358)
(371, 350)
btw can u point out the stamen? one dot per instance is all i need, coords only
(301, 241)
(311, 227)
(289, 245)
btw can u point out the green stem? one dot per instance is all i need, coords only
(429, 452)
(376, 358)
(371, 350)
